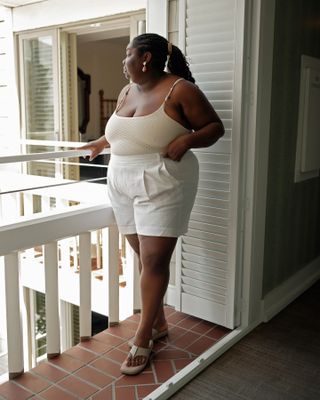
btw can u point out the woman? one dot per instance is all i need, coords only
(152, 174)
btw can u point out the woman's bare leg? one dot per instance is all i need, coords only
(155, 255)
(160, 323)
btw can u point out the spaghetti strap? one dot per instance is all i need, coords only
(123, 98)
(172, 87)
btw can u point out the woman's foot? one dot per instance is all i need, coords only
(157, 333)
(137, 359)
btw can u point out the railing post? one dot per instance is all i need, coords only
(85, 285)
(110, 249)
(14, 318)
(133, 278)
(50, 251)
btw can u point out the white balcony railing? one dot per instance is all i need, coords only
(50, 228)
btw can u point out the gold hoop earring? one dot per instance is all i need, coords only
(144, 68)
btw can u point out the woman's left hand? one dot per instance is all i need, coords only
(177, 148)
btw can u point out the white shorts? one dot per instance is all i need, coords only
(152, 195)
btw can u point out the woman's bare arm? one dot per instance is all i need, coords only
(202, 118)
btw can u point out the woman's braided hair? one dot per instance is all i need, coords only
(160, 48)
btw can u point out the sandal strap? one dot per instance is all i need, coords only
(137, 351)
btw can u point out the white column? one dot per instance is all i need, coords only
(110, 251)
(14, 319)
(85, 285)
(52, 299)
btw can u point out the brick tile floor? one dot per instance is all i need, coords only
(91, 370)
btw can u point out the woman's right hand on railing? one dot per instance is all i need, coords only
(96, 147)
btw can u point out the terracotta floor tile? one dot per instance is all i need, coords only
(159, 345)
(107, 367)
(189, 322)
(79, 388)
(116, 355)
(125, 393)
(176, 317)
(122, 331)
(168, 311)
(141, 379)
(175, 332)
(32, 382)
(95, 346)
(11, 391)
(218, 332)
(95, 364)
(91, 375)
(108, 339)
(185, 340)
(144, 390)
(180, 364)
(202, 327)
(130, 324)
(123, 347)
(200, 345)
(104, 394)
(135, 317)
(49, 372)
(81, 354)
(66, 362)
(163, 369)
(56, 393)
(171, 353)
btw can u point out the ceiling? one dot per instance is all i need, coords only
(18, 3)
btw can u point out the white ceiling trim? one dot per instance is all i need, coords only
(18, 3)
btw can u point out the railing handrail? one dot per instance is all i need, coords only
(46, 227)
(46, 155)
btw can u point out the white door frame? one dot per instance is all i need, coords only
(255, 124)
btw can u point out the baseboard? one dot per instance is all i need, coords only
(280, 297)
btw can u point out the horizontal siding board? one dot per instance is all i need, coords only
(204, 294)
(216, 86)
(212, 211)
(213, 194)
(222, 56)
(209, 48)
(219, 167)
(211, 36)
(213, 237)
(204, 285)
(217, 255)
(208, 157)
(219, 69)
(205, 276)
(219, 274)
(215, 176)
(206, 227)
(212, 202)
(201, 260)
(200, 308)
(205, 243)
(193, 5)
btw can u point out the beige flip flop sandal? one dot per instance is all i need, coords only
(136, 352)
(155, 336)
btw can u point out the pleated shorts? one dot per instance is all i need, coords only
(152, 195)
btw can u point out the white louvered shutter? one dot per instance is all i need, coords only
(207, 272)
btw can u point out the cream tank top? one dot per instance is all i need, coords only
(143, 134)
